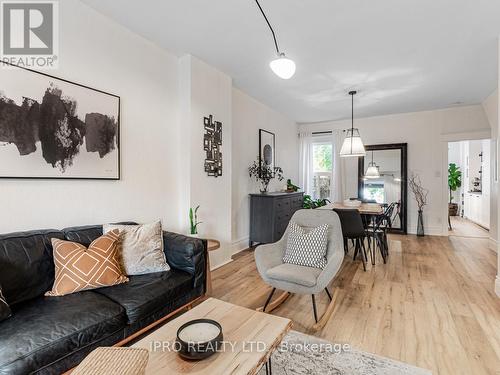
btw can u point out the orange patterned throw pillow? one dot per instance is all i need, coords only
(79, 268)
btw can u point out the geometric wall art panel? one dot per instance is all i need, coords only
(212, 144)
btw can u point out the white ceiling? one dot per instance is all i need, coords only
(402, 55)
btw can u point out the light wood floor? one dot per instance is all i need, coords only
(466, 228)
(433, 305)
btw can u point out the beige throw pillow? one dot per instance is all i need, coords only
(141, 248)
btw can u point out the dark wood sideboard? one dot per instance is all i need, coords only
(270, 214)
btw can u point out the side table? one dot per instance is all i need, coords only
(211, 246)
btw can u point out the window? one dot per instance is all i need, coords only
(374, 192)
(322, 168)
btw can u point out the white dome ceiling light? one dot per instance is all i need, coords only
(283, 67)
(353, 145)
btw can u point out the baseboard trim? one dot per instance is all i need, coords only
(220, 265)
(239, 245)
(493, 244)
(497, 285)
(430, 231)
(234, 248)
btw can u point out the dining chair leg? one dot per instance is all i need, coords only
(356, 249)
(268, 299)
(314, 308)
(346, 247)
(363, 248)
(381, 247)
(360, 247)
(329, 295)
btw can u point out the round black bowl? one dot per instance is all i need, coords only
(199, 350)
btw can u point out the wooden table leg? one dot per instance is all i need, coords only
(209, 276)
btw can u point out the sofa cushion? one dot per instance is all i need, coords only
(46, 329)
(80, 268)
(4, 307)
(141, 248)
(87, 233)
(145, 294)
(291, 273)
(26, 264)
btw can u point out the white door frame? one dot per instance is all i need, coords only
(454, 137)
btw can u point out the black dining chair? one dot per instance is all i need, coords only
(378, 231)
(353, 229)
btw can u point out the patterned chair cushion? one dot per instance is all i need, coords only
(306, 247)
(79, 268)
(4, 307)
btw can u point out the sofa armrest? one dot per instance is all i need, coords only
(186, 254)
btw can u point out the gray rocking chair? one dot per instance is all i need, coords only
(300, 279)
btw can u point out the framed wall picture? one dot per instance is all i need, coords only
(54, 128)
(267, 152)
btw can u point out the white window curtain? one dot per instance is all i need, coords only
(338, 187)
(306, 162)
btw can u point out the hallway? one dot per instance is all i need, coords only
(463, 227)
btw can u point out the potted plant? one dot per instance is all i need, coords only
(193, 221)
(310, 203)
(263, 173)
(290, 187)
(454, 182)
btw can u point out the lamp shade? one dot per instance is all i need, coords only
(352, 146)
(283, 67)
(372, 171)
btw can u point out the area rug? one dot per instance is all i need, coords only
(302, 354)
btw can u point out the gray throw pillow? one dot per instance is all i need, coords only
(306, 247)
(141, 248)
(4, 307)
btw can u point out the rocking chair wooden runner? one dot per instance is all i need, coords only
(292, 278)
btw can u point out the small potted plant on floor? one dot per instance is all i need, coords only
(454, 183)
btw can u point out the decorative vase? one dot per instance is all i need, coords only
(420, 224)
(264, 185)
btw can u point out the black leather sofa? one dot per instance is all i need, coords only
(49, 335)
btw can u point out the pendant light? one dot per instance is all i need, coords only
(353, 145)
(283, 67)
(372, 171)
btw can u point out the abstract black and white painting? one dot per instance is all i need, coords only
(267, 148)
(53, 128)
(212, 144)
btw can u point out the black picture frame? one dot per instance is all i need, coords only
(403, 147)
(267, 138)
(118, 128)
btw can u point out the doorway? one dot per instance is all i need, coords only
(469, 178)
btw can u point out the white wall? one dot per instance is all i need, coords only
(497, 208)
(97, 52)
(207, 92)
(490, 106)
(163, 102)
(249, 116)
(427, 134)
